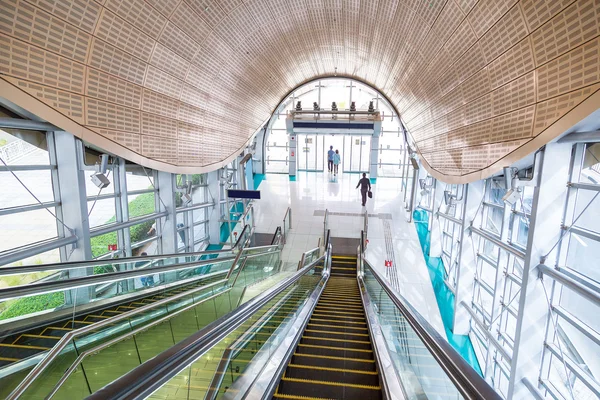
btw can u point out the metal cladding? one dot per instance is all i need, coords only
(182, 85)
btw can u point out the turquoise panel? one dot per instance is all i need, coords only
(443, 295)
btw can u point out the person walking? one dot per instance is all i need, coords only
(336, 162)
(330, 154)
(365, 187)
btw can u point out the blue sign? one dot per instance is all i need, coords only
(243, 194)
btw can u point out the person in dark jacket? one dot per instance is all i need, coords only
(365, 186)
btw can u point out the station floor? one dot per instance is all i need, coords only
(390, 236)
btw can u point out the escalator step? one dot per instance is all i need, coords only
(324, 326)
(76, 324)
(55, 331)
(334, 351)
(339, 311)
(37, 340)
(328, 320)
(334, 390)
(333, 362)
(292, 397)
(338, 318)
(95, 318)
(4, 361)
(349, 344)
(310, 372)
(336, 305)
(310, 331)
(20, 351)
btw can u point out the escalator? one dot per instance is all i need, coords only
(333, 330)
(209, 288)
(334, 358)
(19, 346)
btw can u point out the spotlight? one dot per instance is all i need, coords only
(316, 106)
(371, 107)
(511, 196)
(299, 106)
(353, 106)
(99, 177)
(334, 106)
(448, 197)
(187, 195)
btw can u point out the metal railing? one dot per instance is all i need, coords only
(65, 340)
(156, 372)
(465, 379)
(287, 223)
(325, 224)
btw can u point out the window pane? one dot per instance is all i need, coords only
(101, 243)
(15, 151)
(25, 228)
(142, 231)
(142, 204)
(583, 257)
(101, 212)
(14, 194)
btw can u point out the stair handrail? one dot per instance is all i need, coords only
(466, 380)
(154, 373)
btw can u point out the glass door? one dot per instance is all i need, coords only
(310, 152)
(357, 151)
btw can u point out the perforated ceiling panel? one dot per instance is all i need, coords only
(182, 85)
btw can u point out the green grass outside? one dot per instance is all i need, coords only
(141, 205)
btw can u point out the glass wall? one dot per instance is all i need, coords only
(343, 92)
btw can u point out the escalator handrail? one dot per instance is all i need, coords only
(12, 292)
(276, 235)
(134, 332)
(66, 339)
(154, 373)
(467, 381)
(238, 242)
(82, 264)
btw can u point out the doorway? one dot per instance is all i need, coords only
(355, 152)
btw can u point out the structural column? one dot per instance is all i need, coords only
(73, 195)
(467, 261)
(167, 226)
(544, 232)
(214, 213)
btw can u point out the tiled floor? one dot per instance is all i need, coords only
(312, 193)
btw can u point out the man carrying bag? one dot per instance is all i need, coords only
(365, 187)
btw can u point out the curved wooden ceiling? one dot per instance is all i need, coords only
(181, 85)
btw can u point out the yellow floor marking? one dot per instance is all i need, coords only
(344, 257)
(315, 346)
(331, 383)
